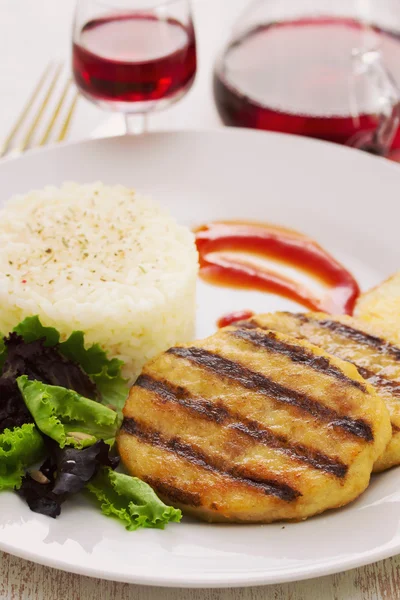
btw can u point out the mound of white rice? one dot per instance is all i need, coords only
(103, 260)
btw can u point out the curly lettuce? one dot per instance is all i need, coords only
(19, 448)
(106, 373)
(131, 501)
(57, 384)
(67, 417)
(31, 330)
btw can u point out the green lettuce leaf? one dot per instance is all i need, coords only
(106, 373)
(19, 448)
(131, 500)
(59, 412)
(31, 330)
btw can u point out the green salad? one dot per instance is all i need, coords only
(60, 411)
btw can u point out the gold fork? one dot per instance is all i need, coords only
(40, 99)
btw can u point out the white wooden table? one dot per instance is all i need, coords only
(32, 33)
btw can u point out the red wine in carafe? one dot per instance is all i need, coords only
(134, 58)
(295, 77)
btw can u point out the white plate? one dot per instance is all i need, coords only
(345, 199)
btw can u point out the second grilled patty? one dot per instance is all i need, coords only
(377, 360)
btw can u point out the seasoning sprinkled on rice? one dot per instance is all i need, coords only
(101, 259)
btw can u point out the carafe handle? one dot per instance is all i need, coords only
(369, 68)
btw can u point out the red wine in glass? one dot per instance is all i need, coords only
(134, 58)
(290, 77)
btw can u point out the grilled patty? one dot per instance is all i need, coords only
(230, 430)
(377, 360)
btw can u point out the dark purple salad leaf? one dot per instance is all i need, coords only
(38, 362)
(105, 372)
(45, 364)
(39, 496)
(76, 467)
(13, 410)
(68, 471)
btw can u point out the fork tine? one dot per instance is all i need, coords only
(56, 112)
(68, 118)
(32, 129)
(22, 116)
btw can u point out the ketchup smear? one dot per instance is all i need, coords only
(234, 317)
(218, 240)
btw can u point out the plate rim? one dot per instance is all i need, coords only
(223, 130)
(211, 581)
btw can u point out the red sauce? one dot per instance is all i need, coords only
(217, 241)
(233, 317)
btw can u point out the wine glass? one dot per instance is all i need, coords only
(320, 68)
(133, 56)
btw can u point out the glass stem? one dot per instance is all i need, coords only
(135, 124)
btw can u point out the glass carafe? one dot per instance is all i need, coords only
(328, 69)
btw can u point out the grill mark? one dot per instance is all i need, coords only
(249, 324)
(375, 379)
(173, 493)
(380, 381)
(310, 456)
(379, 344)
(198, 458)
(168, 392)
(252, 380)
(297, 354)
